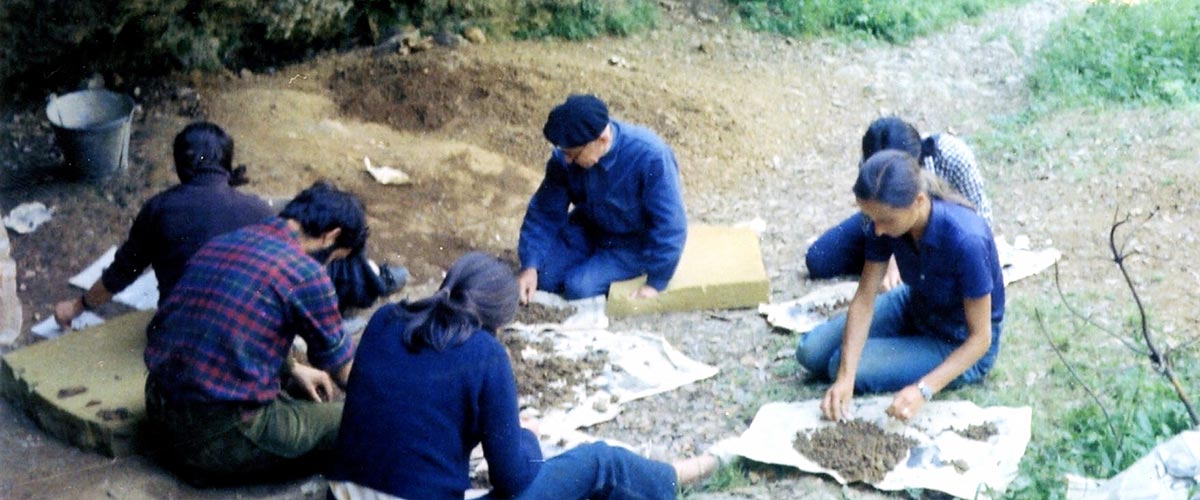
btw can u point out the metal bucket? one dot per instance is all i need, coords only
(92, 129)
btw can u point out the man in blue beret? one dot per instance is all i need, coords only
(609, 209)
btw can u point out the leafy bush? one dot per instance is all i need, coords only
(895, 21)
(1116, 52)
(53, 44)
(50, 43)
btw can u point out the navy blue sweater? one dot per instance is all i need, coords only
(174, 224)
(412, 418)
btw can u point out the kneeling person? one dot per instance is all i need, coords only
(219, 345)
(609, 209)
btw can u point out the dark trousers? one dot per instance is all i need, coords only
(840, 251)
(219, 443)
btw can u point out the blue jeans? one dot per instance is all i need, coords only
(578, 269)
(597, 471)
(838, 252)
(898, 352)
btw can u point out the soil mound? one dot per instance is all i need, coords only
(856, 449)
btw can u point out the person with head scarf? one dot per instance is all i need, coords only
(610, 207)
(173, 224)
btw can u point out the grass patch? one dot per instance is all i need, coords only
(1071, 434)
(1119, 53)
(896, 21)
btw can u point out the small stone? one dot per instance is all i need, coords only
(475, 35)
(245, 74)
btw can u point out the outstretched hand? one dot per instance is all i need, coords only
(527, 283)
(66, 311)
(317, 384)
(906, 404)
(836, 403)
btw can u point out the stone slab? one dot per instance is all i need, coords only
(721, 268)
(86, 387)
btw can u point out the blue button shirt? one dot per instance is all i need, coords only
(956, 260)
(630, 199)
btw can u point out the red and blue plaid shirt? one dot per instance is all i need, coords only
(225, 331)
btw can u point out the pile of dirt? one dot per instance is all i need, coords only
(979, 432)
(536, 314)
(856, 449)
(546, 379)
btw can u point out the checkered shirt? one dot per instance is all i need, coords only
(225, 331)
(954, 162)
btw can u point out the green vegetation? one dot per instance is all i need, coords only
(59, 43)
(582, 19)
(896, 21)
(1118, 53)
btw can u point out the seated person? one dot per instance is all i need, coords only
(610, 207)
(219, 345)
(941, 326)
(431, 381)
(839, 251)
(173, 224)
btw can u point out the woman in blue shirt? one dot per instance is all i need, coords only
(839, 251)
(941, 327)
(431, 381)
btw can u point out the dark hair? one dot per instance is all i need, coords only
(203, 147)
(479, 292)
(323, 207)
(894, 178)
(891, 133)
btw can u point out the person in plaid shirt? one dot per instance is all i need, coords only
(839, 251)
(218, 347)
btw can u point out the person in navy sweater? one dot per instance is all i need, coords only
(610, 207)
(941, 326)
(431, 381)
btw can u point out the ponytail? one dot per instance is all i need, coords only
(478, 293)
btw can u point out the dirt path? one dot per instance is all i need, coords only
(763, 127)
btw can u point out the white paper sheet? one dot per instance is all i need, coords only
(48, 328)
(142, 294)
(992, 465)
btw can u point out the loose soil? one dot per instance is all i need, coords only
(979, 432)
(764, 127)
(546, 379)
(536, 314)
(858, 450)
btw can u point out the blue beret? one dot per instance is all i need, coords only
(577, 121)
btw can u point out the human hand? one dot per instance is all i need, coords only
(836, 403)
(527, 283)
(66, 311)
(316, 383)
(906, 404)
(645, 292)
(891, 278)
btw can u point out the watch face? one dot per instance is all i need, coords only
(926, 392)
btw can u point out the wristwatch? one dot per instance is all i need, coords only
(926, 392)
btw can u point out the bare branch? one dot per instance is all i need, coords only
(1087, 319)
(1160, 363)
(1061, 357)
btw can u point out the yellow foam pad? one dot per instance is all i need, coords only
(721, 268)
(85, 387)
